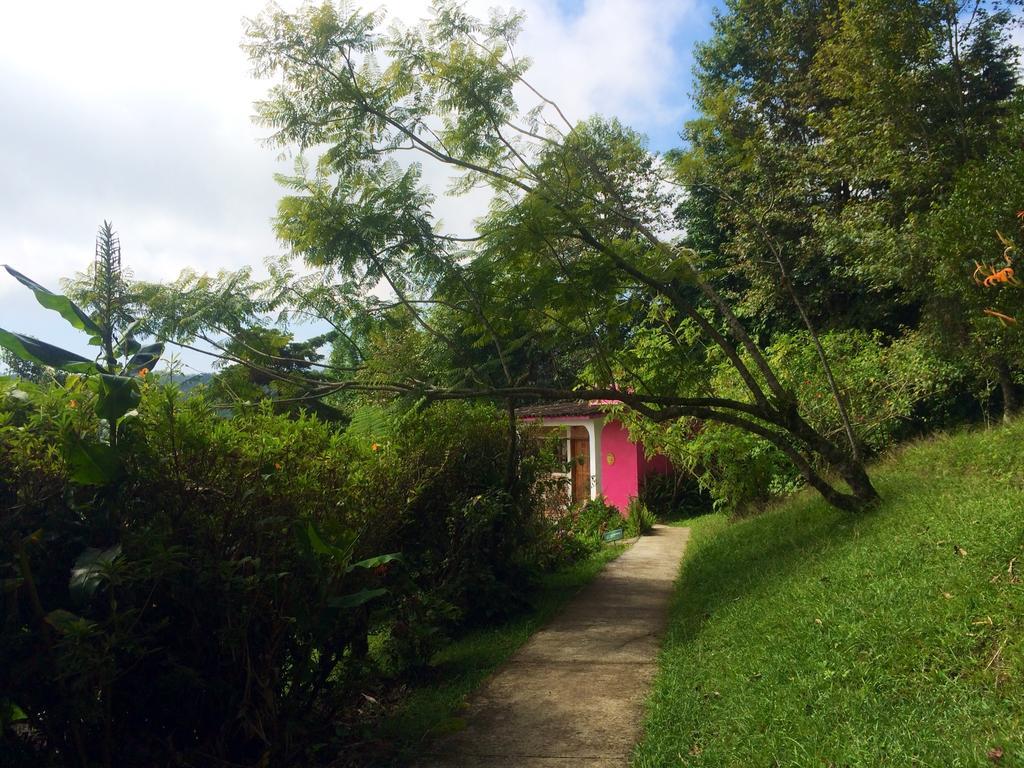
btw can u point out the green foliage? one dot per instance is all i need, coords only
(956, 237)
(40, 353)
(804, 637)
(240, 564)
(674, 495)
(639, 519)
(112, 375)
(62, 305)
(579, 245)
(592, 519)
(21, 368)
(883, 384)
(827, 127)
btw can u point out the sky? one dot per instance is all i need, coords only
(140, 113)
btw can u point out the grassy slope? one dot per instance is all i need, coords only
(804, 637)
(432, 709)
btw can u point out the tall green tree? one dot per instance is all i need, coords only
(827, 130)
(22, 369)
(579, 238)
(104, 291)
(963, 242)
(824, 126)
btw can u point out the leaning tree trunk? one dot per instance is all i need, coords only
(849, 467)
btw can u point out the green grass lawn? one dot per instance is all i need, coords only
(809, 637)
(432, 709)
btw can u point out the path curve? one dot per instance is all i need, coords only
(574, 694)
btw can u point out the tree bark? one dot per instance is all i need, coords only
(1011, 402)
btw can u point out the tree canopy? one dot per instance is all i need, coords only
(804, 207)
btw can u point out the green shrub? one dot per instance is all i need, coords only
(215, 604)
(675, 495)
(639, 519)
(596, 517)
(884, 384)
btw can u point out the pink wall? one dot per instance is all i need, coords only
(623, 478)
(620, 479)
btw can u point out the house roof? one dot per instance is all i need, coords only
(565, 408)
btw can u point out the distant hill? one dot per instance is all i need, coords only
(186, 382)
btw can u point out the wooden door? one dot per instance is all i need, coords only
(579, 451)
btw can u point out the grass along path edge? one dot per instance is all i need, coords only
(433, 709)
(806, 636)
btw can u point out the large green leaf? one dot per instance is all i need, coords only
(62, 305)
(10, 713)
(127, 345)
(116, 395)
(36, 351)
(66, 622)
(340, 554)
(87, 573)
(374, 562)
(92, 463)
(144, 357)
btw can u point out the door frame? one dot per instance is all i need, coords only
(593, 427)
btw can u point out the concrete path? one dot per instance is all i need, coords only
(573, 696)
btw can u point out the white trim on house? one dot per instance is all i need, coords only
(594, 427)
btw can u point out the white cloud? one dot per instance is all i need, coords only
(140, 113)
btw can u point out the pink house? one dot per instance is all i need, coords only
(606, 462)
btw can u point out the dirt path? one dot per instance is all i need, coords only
(573, 696)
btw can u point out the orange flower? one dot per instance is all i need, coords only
(375, 447)
(143, 373)
(277, 465)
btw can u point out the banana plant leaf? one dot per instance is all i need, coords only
(310, 536)
(116, 395)
(87, 573)
(62, 305)
(145, 357)
(375, 562)
(40, 352)
(92, 463)
(127, 345)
